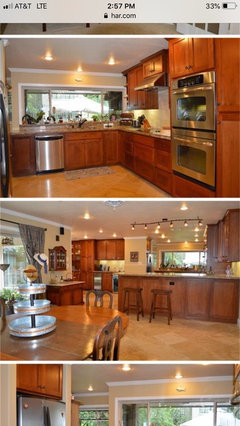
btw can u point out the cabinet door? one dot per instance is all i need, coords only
(107, 282)
(185, 188)
(179, 56)
(110, 249)
(212, 244)
(121, 147)
(224, 300)
(153, 66)
(233, 237)
(197, 298)
(151, 99)
(50, 377)
(227, 74)
(110, 148)
(73, 154)
(119, 249)
(93, 152)
(23, 156)
(144, 161)
(140, 94)
(101, 248)
(132, 94)
(202, 54)
(28, 378)
(228, 154)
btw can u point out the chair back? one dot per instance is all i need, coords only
(99, 295)
(2, 308)
(107, 341)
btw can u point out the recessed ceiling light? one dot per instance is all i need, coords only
(169, 241)
(163, 236)
(185, 242)
(111, 61)
(48, 57)
(178, 376)
(86, 216)
(196, 240)
(196, 235)
(100, 231)
(156, 231)
(126, 367)
(90, 388)
(196, 229)
(79, 69)
(85, 236)
(184, 206)
(114, 235)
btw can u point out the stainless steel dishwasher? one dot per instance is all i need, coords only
(49, 153)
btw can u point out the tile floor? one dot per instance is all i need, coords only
(183, 340)
(123, 183)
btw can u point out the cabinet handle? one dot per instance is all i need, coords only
(218, 122)
(218, 104)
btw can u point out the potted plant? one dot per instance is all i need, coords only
(95, 117)
(10, 296)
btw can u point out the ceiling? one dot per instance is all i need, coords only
(92, 54)
(70, 213)
(98, 375)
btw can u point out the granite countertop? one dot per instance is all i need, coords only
(45, 130)
(180, 275)
(66, 283)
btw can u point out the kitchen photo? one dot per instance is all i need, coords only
(120, 117)
(120, 280)
(120, 394)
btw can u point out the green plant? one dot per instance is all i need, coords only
(10, 295)
(96, 117)
(31, 119)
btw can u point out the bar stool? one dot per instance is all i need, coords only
(162, 309)
(138, 305)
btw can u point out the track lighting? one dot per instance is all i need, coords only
(133, 227)
(185, 224)
(145, 226)
(171, 224)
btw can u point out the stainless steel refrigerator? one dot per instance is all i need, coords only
(4, 146)
(33, 411)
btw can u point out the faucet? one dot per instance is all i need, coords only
(81, 120)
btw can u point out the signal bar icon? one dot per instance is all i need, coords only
(8, 6)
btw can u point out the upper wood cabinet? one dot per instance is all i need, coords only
(190, 55)
(227, 74)
(155, 64)
(110, 249)
(22, 152)
(57, 259)
(132, 94)
(40, 379)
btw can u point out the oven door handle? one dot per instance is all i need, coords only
(187, 90)
(190, 142)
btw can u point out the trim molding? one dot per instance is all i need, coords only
(159, 381)
(91, 394)
(35, 218)
(46, 71)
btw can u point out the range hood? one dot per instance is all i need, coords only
(154, 82)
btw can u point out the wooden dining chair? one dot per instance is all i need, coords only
(99, 295)
(2, 314)
(107, 341)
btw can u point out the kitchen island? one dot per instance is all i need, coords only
(65, 293)
(194, 296)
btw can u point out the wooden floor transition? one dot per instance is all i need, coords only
(123, 183)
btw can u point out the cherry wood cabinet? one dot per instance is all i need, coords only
(163, 163)
(106, 281)
(144, 157)
(197, 299)
(65, 295)
(110, 147)
(224, 300)
(153, 66)
(141, 95)
(40, 379)
(87, 260)
(110, 249)
(83, 150)
(22, 153)
(57, 259)
(76, 250)
(190, 55)
(212, 244)
(186, 188)
(132, 94)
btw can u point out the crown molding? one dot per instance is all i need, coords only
(90, 394)
(160, 381)
(35, 218)
(47, 71)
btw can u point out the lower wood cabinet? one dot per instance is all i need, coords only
(110, 147)
(107, 281)
(65, 295)
(22, 151)
(197, 299)
(83, 150)
(40, 379)
(224, 300)
(186, 188)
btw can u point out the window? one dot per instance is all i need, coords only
(94, 417)
(12, 253)
(184, 413)
(184, 258)
(68, 104)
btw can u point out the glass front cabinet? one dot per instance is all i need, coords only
(57, 259)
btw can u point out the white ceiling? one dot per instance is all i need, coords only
(91, 53)
(70, 213)
(98, 375)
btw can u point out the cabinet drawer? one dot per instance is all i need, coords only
(144, 153)
(145, 140)
(163, 144)
(82, 136)
(163, 160)
(129, 147)
(185, 188)
(163, 180)
(144, 169)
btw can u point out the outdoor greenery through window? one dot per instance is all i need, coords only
(180, 414)
(184, 258)
(12, 254)
(66, 105)
(97, 417)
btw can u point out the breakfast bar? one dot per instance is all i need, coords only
(194, 296)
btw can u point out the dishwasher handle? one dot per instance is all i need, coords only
(48, 137)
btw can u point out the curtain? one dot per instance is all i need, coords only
(33, 239)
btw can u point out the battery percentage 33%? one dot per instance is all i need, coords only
(213, 6)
